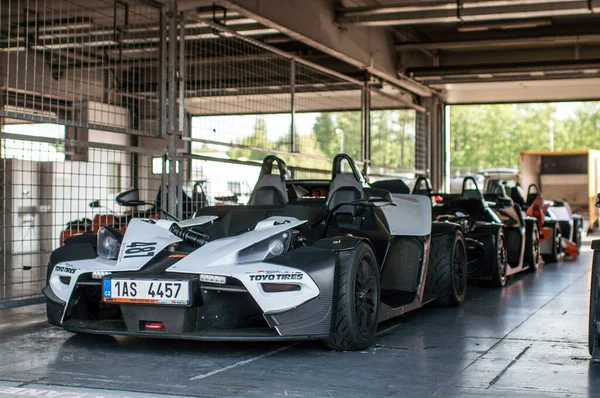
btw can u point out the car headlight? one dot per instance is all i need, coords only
(109, 242)
(265, 249)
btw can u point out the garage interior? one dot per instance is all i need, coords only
(99, 97)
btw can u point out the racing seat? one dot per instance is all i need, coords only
(270, 189)
(422, 187)
(344, 189)
(471, 201)
(531, 195)
(517, 196)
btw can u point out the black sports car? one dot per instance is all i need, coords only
(500, 240)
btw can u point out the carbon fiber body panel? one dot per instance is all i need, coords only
(314, 317)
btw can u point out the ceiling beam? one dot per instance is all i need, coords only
(312, 22)
(505, 68)
(554, 70)
(466, 11)
(522, 91)
(494, 44)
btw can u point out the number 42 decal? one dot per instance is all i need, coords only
(140, 249)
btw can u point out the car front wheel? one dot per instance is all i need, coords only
(357, 308)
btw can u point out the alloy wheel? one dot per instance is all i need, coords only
(365, 291)
(459, 268)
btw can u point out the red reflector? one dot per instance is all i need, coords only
(178, 255)
(279, 287)
(154, 325)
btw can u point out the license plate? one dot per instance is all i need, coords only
(146, 291)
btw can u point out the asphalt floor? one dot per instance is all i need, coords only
(528, 339)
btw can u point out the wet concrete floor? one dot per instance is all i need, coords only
(528, 339)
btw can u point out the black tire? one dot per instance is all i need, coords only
(532, 244)
(357, 307)
(447, 270)
(593, 343)
(500, 264)
(556, 247)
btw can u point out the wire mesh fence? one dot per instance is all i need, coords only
(84, 112)
(249, 100)
(47, 196)
(93, 64)
(395, 137)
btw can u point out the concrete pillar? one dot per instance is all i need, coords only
(437, 147)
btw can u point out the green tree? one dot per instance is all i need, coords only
(348, 128)
(580, 131)
(258, 139)
(325, 136)
(494, 135)
(393, 138)
(339, 131)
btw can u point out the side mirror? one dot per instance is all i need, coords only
(129, 198)
(95, 204)
(597, 201)
(377, 195)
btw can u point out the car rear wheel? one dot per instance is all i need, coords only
(357, 308)
(447, 270)
(500, 265)
(533, 258)
(556, 247)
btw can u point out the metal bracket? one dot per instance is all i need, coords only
(215, 9)
(119, 29)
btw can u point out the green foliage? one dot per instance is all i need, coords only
(337, 132)
(324, 134)
(393, 138)
(392, 135)
(258, 139)
(494, 135)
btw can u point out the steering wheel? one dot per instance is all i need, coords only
(459, 216)
(460, 213)
(455, 213)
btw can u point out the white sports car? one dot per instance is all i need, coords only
(291, 265)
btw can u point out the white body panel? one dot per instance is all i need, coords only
(140, 230)
(193, 222)
(224, 251)
(216, 258)
(411, 215)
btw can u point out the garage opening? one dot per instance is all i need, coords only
(552, 145)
